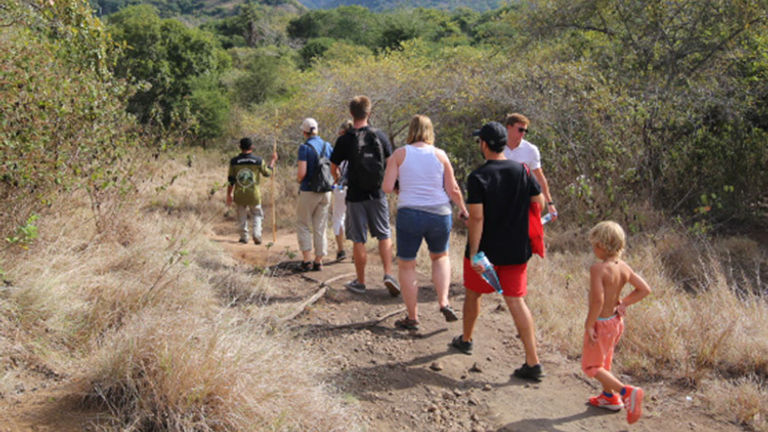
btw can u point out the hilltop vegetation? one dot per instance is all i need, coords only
(192, 10)
(385, 5)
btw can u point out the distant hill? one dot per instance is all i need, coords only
(221, 8)
(382, 5)
(193, 8)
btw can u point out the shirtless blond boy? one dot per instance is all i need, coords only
(604, 324)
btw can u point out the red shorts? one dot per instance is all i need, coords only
(513, 278)
(599, 354)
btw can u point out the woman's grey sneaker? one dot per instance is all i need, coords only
(340, 255)
(392, 285)
(449, 313)
(407, 324)
(462, 345)
(356, 287)
(532, 373)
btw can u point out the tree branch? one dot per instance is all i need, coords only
(322, 289)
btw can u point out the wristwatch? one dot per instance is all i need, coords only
(550, 203)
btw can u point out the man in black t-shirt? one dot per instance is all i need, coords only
(499, 194)
(366, 149)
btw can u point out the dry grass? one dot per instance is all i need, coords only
(138, 314)
(742, 400)
(184, 372)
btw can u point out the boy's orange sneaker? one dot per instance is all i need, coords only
(612, 403)
(633, 401)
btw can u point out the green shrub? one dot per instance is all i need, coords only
(64, 124)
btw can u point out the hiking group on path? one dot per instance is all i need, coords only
(505, 198)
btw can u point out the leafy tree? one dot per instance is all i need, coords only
(341, 52)
(384, 31)
(264, 74)
(59, 134)
(314, 49)
(354, 24)
(167, 57)
(679, 61)
(399, 28)
(210, 107)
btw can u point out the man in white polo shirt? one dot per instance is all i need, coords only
(520, 150)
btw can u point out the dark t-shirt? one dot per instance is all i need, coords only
(343, 150)
(504, 188)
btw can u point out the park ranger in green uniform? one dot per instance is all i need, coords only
(245, 172)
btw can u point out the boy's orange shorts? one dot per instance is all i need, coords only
(599, 354)
(513, 278)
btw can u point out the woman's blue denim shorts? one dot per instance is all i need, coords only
(414, 225)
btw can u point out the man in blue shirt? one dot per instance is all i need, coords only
(312, 211)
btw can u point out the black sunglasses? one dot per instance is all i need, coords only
(522, 130)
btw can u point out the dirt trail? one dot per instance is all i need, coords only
(416, 382)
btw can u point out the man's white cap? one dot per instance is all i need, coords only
(309, 125)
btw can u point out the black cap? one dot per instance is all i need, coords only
(494, 134)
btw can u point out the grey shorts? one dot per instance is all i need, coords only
(364, 215)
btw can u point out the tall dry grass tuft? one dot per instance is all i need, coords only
(742, 400)
(717, 330)
(184, 372)
(78, 285)
(151, 297)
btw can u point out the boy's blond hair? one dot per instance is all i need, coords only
(608, 235)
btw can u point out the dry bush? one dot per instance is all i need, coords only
(75, 284)
(181, 372)
(745, 261)
(745, 402)
(134, 295)
(193, 181)
(690, 336)
(680, 258)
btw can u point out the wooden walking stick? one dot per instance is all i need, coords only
(272, 182)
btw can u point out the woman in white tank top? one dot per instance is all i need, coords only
(426, 187)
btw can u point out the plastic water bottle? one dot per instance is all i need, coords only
(547, 217)
(489, 274)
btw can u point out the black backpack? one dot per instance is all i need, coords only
(366, 164)
(322, 179)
